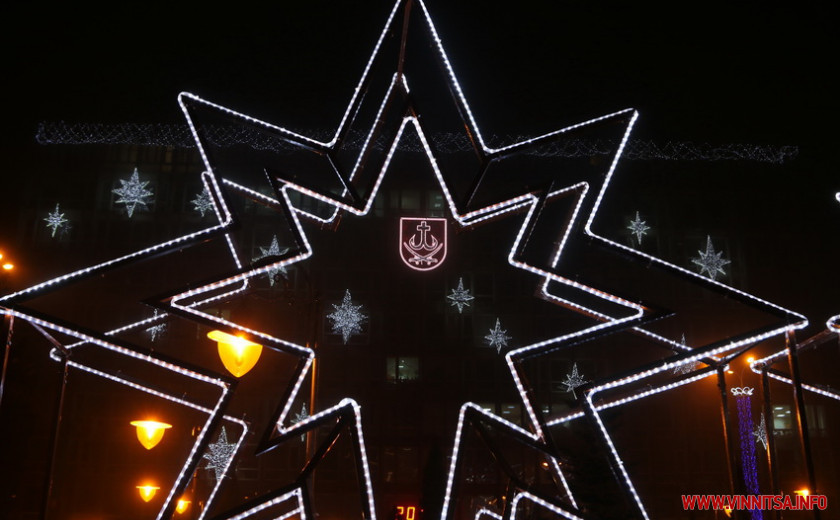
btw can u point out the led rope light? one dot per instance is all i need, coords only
(467, 219)
(188, 404)
(213, 413)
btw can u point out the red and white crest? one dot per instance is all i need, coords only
(422, 242)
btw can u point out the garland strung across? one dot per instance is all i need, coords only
(179, 136)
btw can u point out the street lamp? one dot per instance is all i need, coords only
(147, 491)
(150, 433)
(238, 354)
(183, 505)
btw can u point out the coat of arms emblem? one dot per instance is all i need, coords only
(422, 242)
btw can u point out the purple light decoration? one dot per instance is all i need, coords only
(748, 466)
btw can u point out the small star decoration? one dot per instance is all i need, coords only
(460, 297)
(301, 416)
(638, 227)
(497, 338)
(686, 367)
(347, 318)
(273, 250)
(56, 220)
(155, 330)
(574, 380)
(760, 432)
(220, 455)
(710, 261)
(133, 193)
(203, 202)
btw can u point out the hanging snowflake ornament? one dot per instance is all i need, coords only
(497, 338)
(273, 250)
(347, 318)
(202, 202)
(460, 297)
(220, 455)
(638, 227)
(710, 261)
(133, 193)
(574, 380)
(760, 432)
(56, 220)
(156, 330)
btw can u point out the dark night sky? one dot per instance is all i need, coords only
(720, 72)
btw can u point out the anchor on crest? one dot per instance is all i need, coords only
(422, 242)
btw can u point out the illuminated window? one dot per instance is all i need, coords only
(399, 369)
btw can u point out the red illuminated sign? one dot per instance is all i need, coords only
(406, 512)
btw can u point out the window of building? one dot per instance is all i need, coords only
(399, 369)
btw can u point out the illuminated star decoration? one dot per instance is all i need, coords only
(574, 380)
(686, 367)
(301, 416)
(347, 318)
(202, 202)
(273, 250)
(220, 455)
(56, 220)
(497, 338)
(156, 330)
(760, 432)
(638, 227)
(133, 193)
(710, 261)
(460, 297)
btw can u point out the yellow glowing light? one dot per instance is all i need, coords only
(802, 492)
(8, 266)
(182, 506)
(730, 372)
(239, 355)
(750, 359)
(147, 491)
(149, 433)
(728, 511)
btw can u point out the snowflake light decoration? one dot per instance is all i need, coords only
(156, 330)
(710, 261)
(203, 202)
(273, 250)
(760, 432)
(497, 338)
(220, 455)
(56, 220)
(638, 227)
(460, 297)
(574, 380)
(133, 193)
(347, 318)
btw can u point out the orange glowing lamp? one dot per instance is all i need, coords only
(147, 491)
(239, 355)
(183, 505)
(149, 433)
(802, 492)
(8, 266)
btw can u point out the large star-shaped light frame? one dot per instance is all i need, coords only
(187, 304)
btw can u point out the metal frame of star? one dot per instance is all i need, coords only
(186, 305)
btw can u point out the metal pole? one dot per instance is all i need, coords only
(10, 325)
(772, 468)
(724, 414)
(801, 417)
(55, 439)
